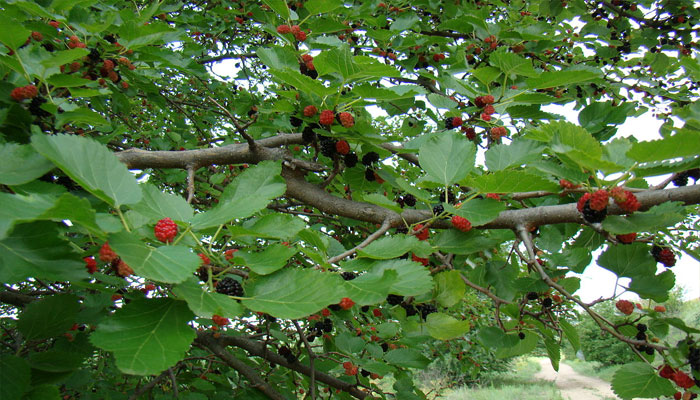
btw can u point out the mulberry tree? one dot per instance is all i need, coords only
(314, 199)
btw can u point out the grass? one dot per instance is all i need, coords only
(517, 384)
(593, 369)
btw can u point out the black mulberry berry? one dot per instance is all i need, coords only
(532, 296)
(350, 160)
(593, 216)
(438, 209)
(369, 175)
(394, 299)
(296, 122)
(229, 287)
(425, 310)
(348, 276)
(409, 200)
(308, 134)
(327, 146)
(370, 158)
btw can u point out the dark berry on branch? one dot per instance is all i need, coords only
(370, 158)
(521, 335)
(426, 309)
(308, 134)
(296, 122)
(410, 309)
(327, 146)
(369, 175)
(593, 216)
(532, 296)
(438, 209)
(350, 160)
(547, 302)
(348, 276)
(641, 327)
(394, 299)
(409, 200)
(229, 287)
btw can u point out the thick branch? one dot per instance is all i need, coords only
(16, 299)
(207, 340)
(257, 349)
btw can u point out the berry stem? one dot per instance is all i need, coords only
(213, 238)
(187, 230)
(121, 217)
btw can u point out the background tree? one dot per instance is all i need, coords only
(361, 181)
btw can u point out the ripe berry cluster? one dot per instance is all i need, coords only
(229, 287)
(485, 102)
(664, 255)
(24, 92)
(625, 199)
(348, 276)
(594, 207)
(407, 199)
(461, 223)
(625, 306)
(165, 230)
(306, 66)
(453, 122)
(681, 178)
(287, 354)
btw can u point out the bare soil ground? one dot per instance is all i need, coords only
(574, 386)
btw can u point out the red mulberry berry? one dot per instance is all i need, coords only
(106, 254)
(626, 238)
(479, 101)
(283, 29)
(310, 111)
(228, 254)
(666, 371)
(626, 307)
(37, 36)
(489, 110)
(123, 269)
(307, 58)
(665, 256)
(469, 132)
(219, 320)
(683, 380)
(300, 36)
(346, 119)
(55, 24)
(582, 202)
(599, 200)
(461, 223)
(567, 185)
(422, 234)
(485, 117)
(342, 147)
(205, 259)
(421, 260)
(165, 230)
(326, 117)
(346, 303)
(488, 99)
(17, 94)
(659, 308)
(377, 312)
(631, 204)
(90, 264)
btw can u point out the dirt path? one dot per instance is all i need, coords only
(574, 386)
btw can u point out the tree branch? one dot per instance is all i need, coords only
(371, 238)
(15, 299)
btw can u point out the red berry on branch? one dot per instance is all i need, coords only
(106, 254)
(300, 36)
(626, 307)
(377, 312)
(284, 29)
(666, 371)
(228, 254)
(310, 111)
(599, 200)
(37, 36)
(205, 259)
(461, 223)
(342, 147)
(326, 312)
(90, 264)
(346, 119)
(423, 261)
(683, 380)
(326, 117)
(626, 238)
(346, 303)
(219, 320)
(165, 230)
(659, 308)
(421, 234)
(489, 109)
(123, 269)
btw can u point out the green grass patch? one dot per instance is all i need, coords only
(518, 383)
(593, 369)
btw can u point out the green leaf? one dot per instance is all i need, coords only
(495, 338)
(561, 78)
(576, 259)
(80, 116)
(652, 220)
(35, 250)
(653, 287)
(407, 358)
(371, 288)
(571, 334)
(682, 144)
(382, 201)
(501, 276)
(16, 208)
(49, 317)
(413, 278)
(92, 165)
(478, 211)
(322, 6)
(15, 377)
(454, 241)
(302, 82)
(440, 101)
(265, 262)
(250, 192)
(21, 164)
(157, 205)
(43, 392)
(62, 57)
(628, 260)
(511, 64)
(511, 182)
(13, 34)
(640, 380)
(447, 158)
(279, 6)
(147, 336)
(277, 226)
(286, 294)
(168, 264)
(389, 247)
(67, 81)
(75, 209)
(450, 288)
(519, 152)
(554, 352)
(349, 344)
(445, 327)
(336, 60)
(522, 346)
(204, 303)
(278, 57)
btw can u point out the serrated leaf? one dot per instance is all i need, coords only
(407, 358)
(250, 192)
(450, 288)
(478, 211)
(653, 287)
(336, 60)
(628, 260)
(511, 182)
(80, 116)
(522, 346)
(278, 57)
(168, 264)
(321, 6)
(511, 64)
(204, 303)
(445, 327)
(371, 288)
(265, 262)
(495, 338)
(389, 247)
(413, 278)
(35, 250)
(279, 6)
(15, 377)
(682, 144)
(92, 165)
(554, 352)
(21, 164)
(147, 336)
(454, 241)
(49, 317)
(640, 380)
(652, 220)
(286, 294)
(17, 208)
(62, 57)
(517, 153)
(561, 78)
(571, 334)
(278, 226)
(447, 158)
(440, 101)
(302, 82)
(349, 344)
(156, 205)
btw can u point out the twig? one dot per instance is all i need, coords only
(145, 388)
(312, 357)
(371, 238)
(241, 129)
(173, 380)
(190, 183)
